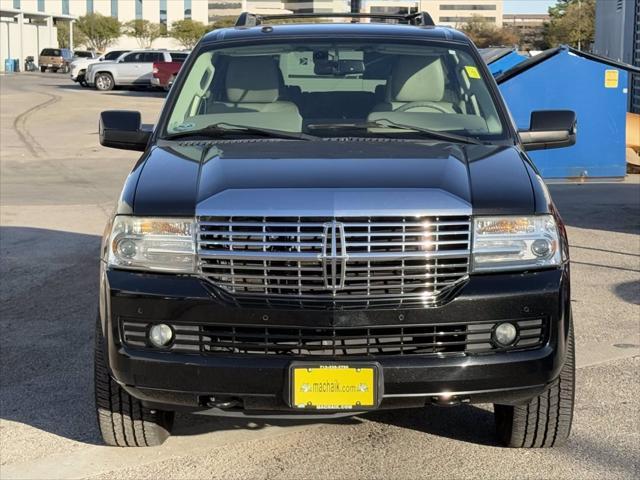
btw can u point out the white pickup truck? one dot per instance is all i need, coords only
(133, 68)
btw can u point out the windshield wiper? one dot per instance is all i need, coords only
(223, 129)
(386, 123)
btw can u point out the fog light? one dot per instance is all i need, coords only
(541, 248)
(160, 335)
(505, 334)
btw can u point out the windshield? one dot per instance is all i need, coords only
(350, 88)
(83, 54)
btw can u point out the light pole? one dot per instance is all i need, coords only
(579, 24)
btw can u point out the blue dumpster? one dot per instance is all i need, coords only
(595, 88)
(9, 65)
(501, 59)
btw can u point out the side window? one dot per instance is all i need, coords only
(131, 58)
(150, 57)
(178, 57)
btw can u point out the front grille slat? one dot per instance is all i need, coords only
(335, 263)
(301, 341)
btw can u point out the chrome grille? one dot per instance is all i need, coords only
(350, 262)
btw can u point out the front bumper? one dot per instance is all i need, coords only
(259, 383)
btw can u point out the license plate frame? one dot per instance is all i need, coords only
(338, 368)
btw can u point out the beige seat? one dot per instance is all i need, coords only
(417, 84)
(252, 84)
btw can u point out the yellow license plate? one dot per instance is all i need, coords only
(334, 387)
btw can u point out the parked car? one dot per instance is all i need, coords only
(89, 54)
(55, 59)
(330, 219)
(79, 65)
(165, 73)
(134, 68)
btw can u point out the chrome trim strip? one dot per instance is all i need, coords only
(333, 202)
(458, 394)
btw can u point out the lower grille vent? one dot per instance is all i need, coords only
(435, 339)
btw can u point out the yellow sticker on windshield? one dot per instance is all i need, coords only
(472, 72)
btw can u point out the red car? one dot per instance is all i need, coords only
(164, 73)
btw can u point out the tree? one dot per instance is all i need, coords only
(98, 31)
(79, 38)
(222, 22)
(188, 32)
(572, 23)
(485, 34)
(144, 31)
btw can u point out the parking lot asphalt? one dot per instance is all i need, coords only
(57, 187)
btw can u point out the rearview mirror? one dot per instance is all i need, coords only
(338, 68)
(550, 129)
(123, 129)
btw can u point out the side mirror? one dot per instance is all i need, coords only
(123, 129)
(550, 129)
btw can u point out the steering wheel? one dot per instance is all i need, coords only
(412, 105)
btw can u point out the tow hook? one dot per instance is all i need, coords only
(224, 403)
(446, 400)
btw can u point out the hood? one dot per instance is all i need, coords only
(336, 178)
(103, 62)
(85, 61)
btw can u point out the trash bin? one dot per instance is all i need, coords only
(8, 65)
(16, 65)
(501, 59)
(595, 87)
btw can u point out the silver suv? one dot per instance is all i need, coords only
(133, 68)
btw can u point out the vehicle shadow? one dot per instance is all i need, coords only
(120, 91)
(628, 291)
(464, 423)
(48, 303)
(590, 206)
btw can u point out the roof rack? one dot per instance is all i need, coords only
(247, 19)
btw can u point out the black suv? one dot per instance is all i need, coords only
(330, 219)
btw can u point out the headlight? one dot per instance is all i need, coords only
(160, 244)
(515, 243)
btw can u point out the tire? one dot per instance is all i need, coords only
(546, 420)
(82, 80)
(104, 82)
(43, 69)
(122, 419)
(167, 87)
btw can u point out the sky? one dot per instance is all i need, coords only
(527, 6)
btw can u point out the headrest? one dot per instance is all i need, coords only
(417, 79)
(252, 80)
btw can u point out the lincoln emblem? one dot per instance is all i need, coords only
(334, 256)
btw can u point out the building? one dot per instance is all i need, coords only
(28, 26)
(444, 12)
(25, 32)
(618, 38)
(529, 27)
